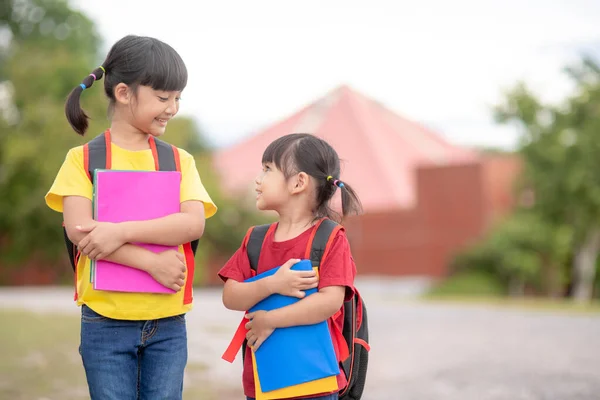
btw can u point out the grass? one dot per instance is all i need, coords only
(524, 303)
(479, 288)
(39, 360)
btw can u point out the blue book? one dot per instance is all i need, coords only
(293, 355)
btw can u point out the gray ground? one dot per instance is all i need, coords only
(419, 351)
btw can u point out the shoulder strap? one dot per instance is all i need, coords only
(320, 240)
(166, 156)
(255, 242)
(96, 154)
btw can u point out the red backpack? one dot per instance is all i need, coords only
(353, 341)
(97, 155)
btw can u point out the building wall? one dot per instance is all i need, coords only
(455, 206)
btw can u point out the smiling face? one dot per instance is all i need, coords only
(145, 109)
(150, 110)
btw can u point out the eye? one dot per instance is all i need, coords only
(163, 98)
(177, 98)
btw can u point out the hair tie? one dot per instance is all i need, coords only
(338, 183)
(102, 68)
(83, 87)
(93, 76)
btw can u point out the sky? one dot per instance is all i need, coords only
(441, 63)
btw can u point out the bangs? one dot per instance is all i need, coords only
(165, 70)
(281, 153)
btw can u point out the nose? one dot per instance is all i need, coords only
(258, 179)
(172, 107)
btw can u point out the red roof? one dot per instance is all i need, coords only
(378, 148)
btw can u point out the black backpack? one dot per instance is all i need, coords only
(356, 328)
(96, 155)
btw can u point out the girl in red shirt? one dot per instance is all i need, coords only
(300, 175)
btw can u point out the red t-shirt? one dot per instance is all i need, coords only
(337, 269)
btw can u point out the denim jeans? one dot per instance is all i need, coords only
(333, 396)
(133, 360)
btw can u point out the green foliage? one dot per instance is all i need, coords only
(533, 248)
(523, 251)
(51, 49)
(50, 45)
(561, 150)
(471, 284)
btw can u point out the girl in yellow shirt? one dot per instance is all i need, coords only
(133, 345)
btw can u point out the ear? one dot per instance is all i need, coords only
(123, 93)
(300, 182)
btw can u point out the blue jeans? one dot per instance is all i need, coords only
(333, 396)
(133, 360)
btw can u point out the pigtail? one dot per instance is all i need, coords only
(350, 202)
(73, 111)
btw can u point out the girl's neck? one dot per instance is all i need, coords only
(128, 137)
(290, 226)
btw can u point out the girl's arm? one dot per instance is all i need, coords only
(241, 296)
(167, 267)
(316, 308)
(172, 230)
(103, 238)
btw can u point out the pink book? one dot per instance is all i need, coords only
(132, 196)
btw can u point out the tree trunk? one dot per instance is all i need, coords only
(584, 266)
(551, 274)
(516, 287)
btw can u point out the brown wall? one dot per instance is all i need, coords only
(455, 205)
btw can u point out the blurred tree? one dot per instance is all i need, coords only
(46, 49)
(45, 45)
(561, 152)
(525, 252)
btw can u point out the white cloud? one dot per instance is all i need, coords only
(253, 63)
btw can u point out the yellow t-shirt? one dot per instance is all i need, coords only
(72, 180)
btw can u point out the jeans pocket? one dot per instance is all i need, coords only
(179, 318)
(89, 315)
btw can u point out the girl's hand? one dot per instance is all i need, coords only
(102, 239)
(169, 269)
(293, 283)
(259, 328)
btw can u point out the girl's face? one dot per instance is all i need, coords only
(271, 188)
(150, 110)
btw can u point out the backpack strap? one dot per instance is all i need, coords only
(254, 243)
(96, 154)
(317, 249)
(320, 241)
(166, 156)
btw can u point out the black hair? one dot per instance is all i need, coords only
(303, 152)
(133, 60)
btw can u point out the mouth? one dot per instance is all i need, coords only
(162, 121)
(258, 193)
